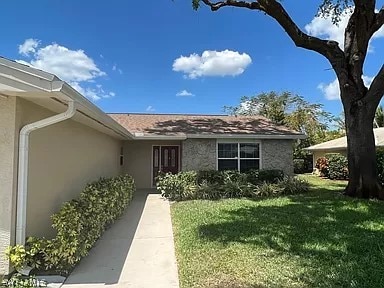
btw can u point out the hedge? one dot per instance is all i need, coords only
(335, 166)
(227, 184)
(79, 224)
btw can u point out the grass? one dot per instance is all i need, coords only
(320, 239)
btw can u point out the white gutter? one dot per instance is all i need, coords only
(22, 181)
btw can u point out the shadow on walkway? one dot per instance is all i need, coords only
(105, 262)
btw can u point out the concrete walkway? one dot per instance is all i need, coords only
(137, 251)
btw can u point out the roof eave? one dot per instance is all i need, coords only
(247, 136)
(22, 80)
(96, 113)
(142, 136)
(325, 149)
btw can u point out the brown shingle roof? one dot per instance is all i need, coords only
(174, 124)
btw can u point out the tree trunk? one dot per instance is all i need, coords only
(362, 167)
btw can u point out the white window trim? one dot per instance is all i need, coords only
(238, 142)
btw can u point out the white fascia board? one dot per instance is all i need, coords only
(32, 72)
(96, 113)
(325, 149)
(21, 85)
(141, 136)
(23, 78)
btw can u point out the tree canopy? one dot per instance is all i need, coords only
(292, 111)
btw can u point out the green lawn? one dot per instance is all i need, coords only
(321, 239)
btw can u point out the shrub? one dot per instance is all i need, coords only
(236, 185)
(337, 167)
(253, 176)
(293, 185)
(21, 281)
(79, 223)
(266, 189)
(270, 175)
(322, 165)
(210, 176)
(299, 166)
(285, 186)
(177, 187)
(213, 185)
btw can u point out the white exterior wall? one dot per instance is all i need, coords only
(8, 153)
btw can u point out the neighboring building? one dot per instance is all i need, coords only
(53, 141)
(339, 145)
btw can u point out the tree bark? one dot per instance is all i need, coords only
(362, 164)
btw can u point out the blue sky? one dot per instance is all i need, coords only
(125, 55)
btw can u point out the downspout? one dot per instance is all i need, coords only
(22, 181)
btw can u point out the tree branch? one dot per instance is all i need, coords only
(376, 90)
(357, 35)
(329, 49)
(244, 4)
(379, 21)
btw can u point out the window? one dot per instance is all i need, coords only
(238, 156)
(173, 158)
(121, 156)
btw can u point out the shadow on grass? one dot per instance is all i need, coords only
(340, 241)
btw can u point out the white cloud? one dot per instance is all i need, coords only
(212, 63)
(323, 27)
(150, 109)
(72, 66)
(114, 68)
(69, 65)
(331, 91)
(29, 46)
(185, 93)
(93, 93)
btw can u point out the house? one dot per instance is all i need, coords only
(339, 145)
(195, 142)
(53, 141)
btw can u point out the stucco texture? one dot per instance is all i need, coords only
(277, 154)
(63, 158)
(199, 154)
(8, 151)
(138, 160)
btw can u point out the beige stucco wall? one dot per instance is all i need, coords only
(277, 154)
(8, 156)
(138, 160)
(63, 159)
(199, 154)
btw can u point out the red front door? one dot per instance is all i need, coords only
(165, 159)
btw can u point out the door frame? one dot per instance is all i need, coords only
(160, 146)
